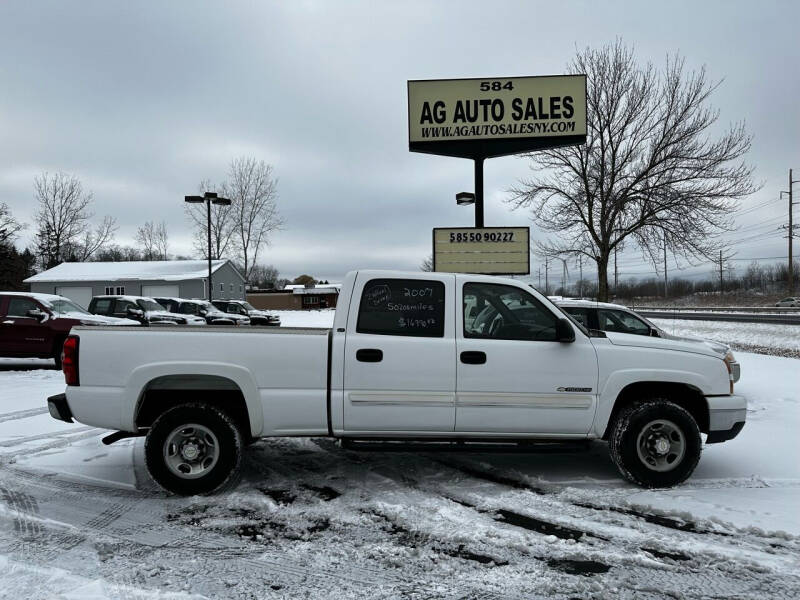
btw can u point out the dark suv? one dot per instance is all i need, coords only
(36, 325)
(257, 317)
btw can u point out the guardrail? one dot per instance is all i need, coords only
(784, 318)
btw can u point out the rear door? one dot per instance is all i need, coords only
(399, 357)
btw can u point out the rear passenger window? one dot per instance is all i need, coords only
(410, 307)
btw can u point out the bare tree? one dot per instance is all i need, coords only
(427, 263)
(264, 276)
(64, 230)
(648, 171)
(254, 193)
(9, 226)
(222, 223)
(153, 240)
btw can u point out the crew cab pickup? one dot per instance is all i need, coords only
(405, 359)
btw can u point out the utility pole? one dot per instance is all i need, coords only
(665, 265)
(546, 279)
(720, 272)
(615, 270)
(540, 277)
(790, 230)
(580, 281)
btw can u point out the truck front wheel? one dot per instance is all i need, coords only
(655, 443)
(194, 448)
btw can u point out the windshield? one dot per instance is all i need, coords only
(572, 319)
(248, 306)
(63, 305)
(149, 305)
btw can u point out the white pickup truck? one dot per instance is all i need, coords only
(422, 356)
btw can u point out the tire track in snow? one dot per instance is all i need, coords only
(22, 414)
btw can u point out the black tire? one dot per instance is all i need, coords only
(637, 448)
(211, 433)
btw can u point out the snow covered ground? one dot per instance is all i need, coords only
(756, 337)
(311, 519)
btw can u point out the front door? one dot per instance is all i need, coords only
(399, 357)
(513, 376)
(24, 334)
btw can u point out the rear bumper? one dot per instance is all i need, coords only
(59, 409)
(726, 417)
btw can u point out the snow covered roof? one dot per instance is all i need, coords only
(332, 288)
(586, 303)
(164, 270)
(41, 297)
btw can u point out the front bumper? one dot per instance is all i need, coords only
(726, 417)
(59, 409)
(736, 371)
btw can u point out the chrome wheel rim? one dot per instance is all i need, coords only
(661, 445)
(191, 451)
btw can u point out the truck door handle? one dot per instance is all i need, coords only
(473, 357)
(369, 355)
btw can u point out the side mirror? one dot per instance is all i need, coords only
(134, 312)
(203, 312)
(37, 314)
(564, 331)
(654, 333)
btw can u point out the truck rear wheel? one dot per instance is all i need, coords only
(194, 448)
(655, 443)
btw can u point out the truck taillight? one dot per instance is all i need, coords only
(69, 360)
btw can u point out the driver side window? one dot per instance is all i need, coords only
(503, 312)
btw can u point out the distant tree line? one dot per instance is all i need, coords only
(766, 279)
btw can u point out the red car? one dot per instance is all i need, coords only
(35, 325)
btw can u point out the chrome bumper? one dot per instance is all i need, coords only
(726, 417)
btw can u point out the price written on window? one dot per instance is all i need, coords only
(403, 322)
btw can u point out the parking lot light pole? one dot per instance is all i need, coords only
(208, 198)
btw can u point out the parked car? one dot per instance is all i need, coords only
(141, 308)
(790, 301)
(257, 317)
(36, 325)
(202, 309)
(402, 362)
(605, 316)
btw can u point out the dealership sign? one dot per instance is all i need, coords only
(482, 118)
(488, 250)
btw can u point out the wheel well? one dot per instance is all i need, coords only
(163, 393)
(687, 397)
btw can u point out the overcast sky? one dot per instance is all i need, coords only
(142, 100)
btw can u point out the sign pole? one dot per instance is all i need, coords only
(479, 192)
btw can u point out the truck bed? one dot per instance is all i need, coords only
(285, 369)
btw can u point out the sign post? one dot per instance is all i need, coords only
(489, 117)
